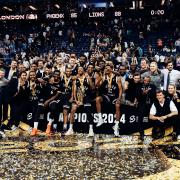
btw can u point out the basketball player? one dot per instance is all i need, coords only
(111, 91)
(82, 97)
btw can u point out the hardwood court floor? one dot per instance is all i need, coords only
(79, 157)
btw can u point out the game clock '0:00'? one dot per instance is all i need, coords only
(157, 12)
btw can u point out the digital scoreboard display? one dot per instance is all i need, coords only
(102, 13)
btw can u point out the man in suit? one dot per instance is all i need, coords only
(171, 76)
(12, 71)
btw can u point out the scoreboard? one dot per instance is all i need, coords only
(89, 14)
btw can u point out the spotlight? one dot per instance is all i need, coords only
(162, 2)
(8, 9)
(84, 6)
(33, 8)
(57, 6)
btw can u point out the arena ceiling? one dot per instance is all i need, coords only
(147, 2)
(22, 5)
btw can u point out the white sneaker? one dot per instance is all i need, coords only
(14, 128)
(178, 137)
(2, 134)
(69, 132)
(100, 122)
(116, 130)
(91, 133)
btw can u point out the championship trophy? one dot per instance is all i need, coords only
(80, 95)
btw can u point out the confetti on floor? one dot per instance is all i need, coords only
(78, 157)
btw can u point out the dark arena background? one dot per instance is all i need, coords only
(127, 39)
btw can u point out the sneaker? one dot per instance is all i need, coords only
(13, 128)
(2, 134)
(174, 136)
(155, 133)
(100, 122)
(69, 132)
(63, 131)
(54, 131)
(15, 132)
(178, 137)
(48, 130)
(141, 137)
(116, 130)
(34, 132)
(91, 133)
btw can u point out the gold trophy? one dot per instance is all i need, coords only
(81, 91)
(33, 88)
(80, 95)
